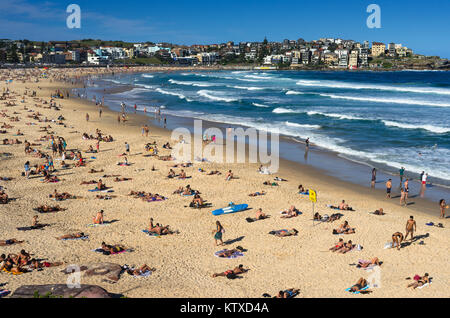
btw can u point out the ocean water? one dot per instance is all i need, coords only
(382, 119)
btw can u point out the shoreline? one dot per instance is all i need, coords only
(351, 172)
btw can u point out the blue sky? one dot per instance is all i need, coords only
(420, 25)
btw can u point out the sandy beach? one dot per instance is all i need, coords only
(184, 262)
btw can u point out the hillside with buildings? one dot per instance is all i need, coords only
(325, 53)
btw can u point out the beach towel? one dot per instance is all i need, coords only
(145, 274)
(97, 225)
(304, 193)
(151, 234)
(389, 245)
(359, 291)
(235, 254)
(4, 292)
(427, 284)
(291, 294)
(98, 190)
(100, 250)
(76, 238)
(7, 271)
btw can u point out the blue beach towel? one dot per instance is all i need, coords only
(358, 292)
(75, 239)
(151, 234)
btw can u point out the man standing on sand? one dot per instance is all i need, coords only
(410, 227)
(87, 117)
(100, 111)
(389, 188)
(127, 148)
(402, 173)
(374, 177)
(135, 108)
(443, 205)
(406, 187)
(424, 184)
(403, 197)
(118, 119)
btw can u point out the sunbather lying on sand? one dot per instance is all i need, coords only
(283, 233)
(141, 270)
(95, 171)
(71, 236)
(112, 249)
(379, 212)
(288, 293)
(105, 197)
(88, 182)
(47, 209)
(290, 213)
(338, 245)
(349, 246)
(257, 194)
(273, 184)
(365, 264)
(214, 172)
(159, 229)
(35, 264)
(360, 284)
(228, 253)
(62, 196)
(3, 197)
(232, 273)
(420, 281)
(344, 229)
(10, 242)
(122, 179)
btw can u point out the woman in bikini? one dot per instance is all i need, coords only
(218, 233)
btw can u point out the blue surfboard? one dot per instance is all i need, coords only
(230, 209)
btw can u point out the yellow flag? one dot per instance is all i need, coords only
(312, 196)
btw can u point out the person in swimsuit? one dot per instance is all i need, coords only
(403, 197)
(112, 249)
(397, 239)
(420, 281)
(406, 187)
(338, 245)
(218, 233)
(411, 226)
(443, 205)
(288, 293)
(380, 211)
(99, 217)
(365, 264)
(374, 177)
(232, 273)
(260, 215)
(141, 270)
(71, 236)
(229, 175)
(388, 188)
(360, 284)
(10, 242)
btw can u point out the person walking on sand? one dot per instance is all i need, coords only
(403, 197)
(388, 188)
(100, 111)
(402, 173)
(443, 205)
(27, 169)
(87, 117)
(118, 119)
(424, 184)
(411, 227)
(374, 177)
(406, 187)
(127, 148)
(218, 233)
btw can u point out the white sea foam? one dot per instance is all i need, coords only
(282, 110)
(251, 88)
(434, 129)
(260, 105)
(147, 76)
(347, 85)
(197, 84)
(165, 92)
(339, 116)
(302, 125)
(294, 93)
(213, 96)
(388, 100)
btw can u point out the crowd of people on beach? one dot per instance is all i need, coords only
(45, 151)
